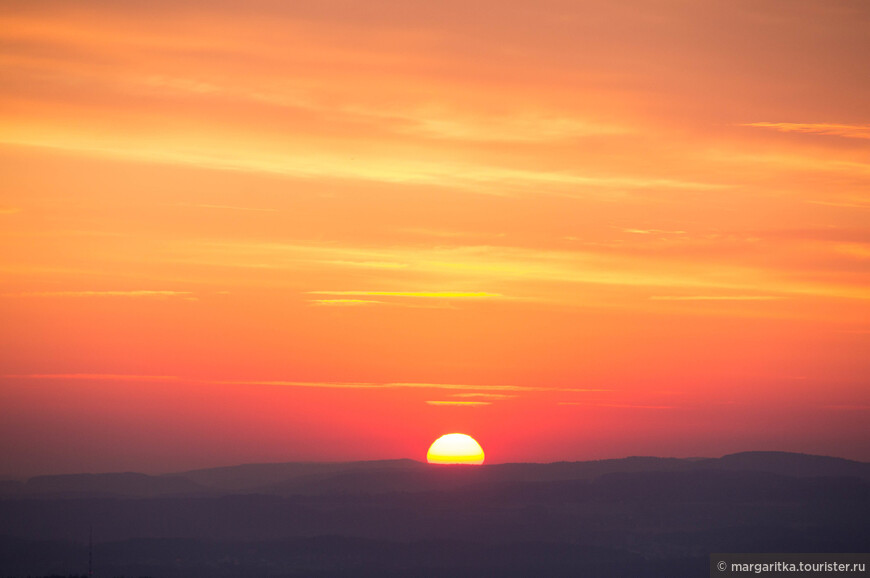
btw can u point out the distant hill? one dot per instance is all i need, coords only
(122, 484)
(10, 487)
(405, 475)
(636, 516)
(792, 464)
(250, 477)
(411, 476)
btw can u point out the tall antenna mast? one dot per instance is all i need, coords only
(90, 551)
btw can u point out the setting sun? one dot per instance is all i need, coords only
(455, 448)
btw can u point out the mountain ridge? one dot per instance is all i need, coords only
(381, 476)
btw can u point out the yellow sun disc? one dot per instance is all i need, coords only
(455, 448)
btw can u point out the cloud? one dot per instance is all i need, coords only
(138, 293)
(344, 302)
(470, 390)
(414, 294)
(857, 204)
(370, 264)
(715, 298)
(699, 267)
(857, 250)
(460, 403)
(633, 406)
(616, 405)
(478, 264)
(652, 231)
(485, 395)
(229, 207)
(95, 377)
(446, 234)
(417, 304)
(498, 387)
(517, 127)
(843, 130)
(265, 158)
(408, 385)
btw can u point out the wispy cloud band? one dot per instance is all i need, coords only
(843, 130)
(136, 293)
(415, 294)
(409, 385)
(94, 377)
(715, 298)
(460, 403)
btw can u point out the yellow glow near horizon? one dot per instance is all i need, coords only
(455, 448)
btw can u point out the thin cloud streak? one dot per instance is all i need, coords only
(138, 293)
(859, 204)
(615, 405)
(715, 298)
(485, 395)
(481, 179)
(495, 266)
(470, 390)
(406, 385)
(484, 262)
(653, 231)
(344, 302)
(415, 294)
(94, 377)
(861, 131)
(229, 207)
(633, 406)
(460, 403)
(361, 303)
(499, 387)
(369, 264)
(517, 128)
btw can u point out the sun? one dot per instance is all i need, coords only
(455, 448)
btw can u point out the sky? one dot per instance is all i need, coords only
(266, 231)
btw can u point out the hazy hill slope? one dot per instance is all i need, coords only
(610, 507)
(633, 517)
(384, 476)
(371, 477)
(121, 484)
(791, 464)
(256, 476)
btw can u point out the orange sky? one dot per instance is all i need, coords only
(272, 231)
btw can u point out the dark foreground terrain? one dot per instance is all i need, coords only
(629, 517)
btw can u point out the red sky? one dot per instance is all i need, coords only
(272, 231)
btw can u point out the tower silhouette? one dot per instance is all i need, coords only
(90, 551)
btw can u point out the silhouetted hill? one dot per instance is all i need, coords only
(692, 486)
(629, 517)
(337, 556)
(10, 487)
(122, 484)
(250, 477)
(411, 476)
(384, 476)
(486, 511)
(791, 464)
